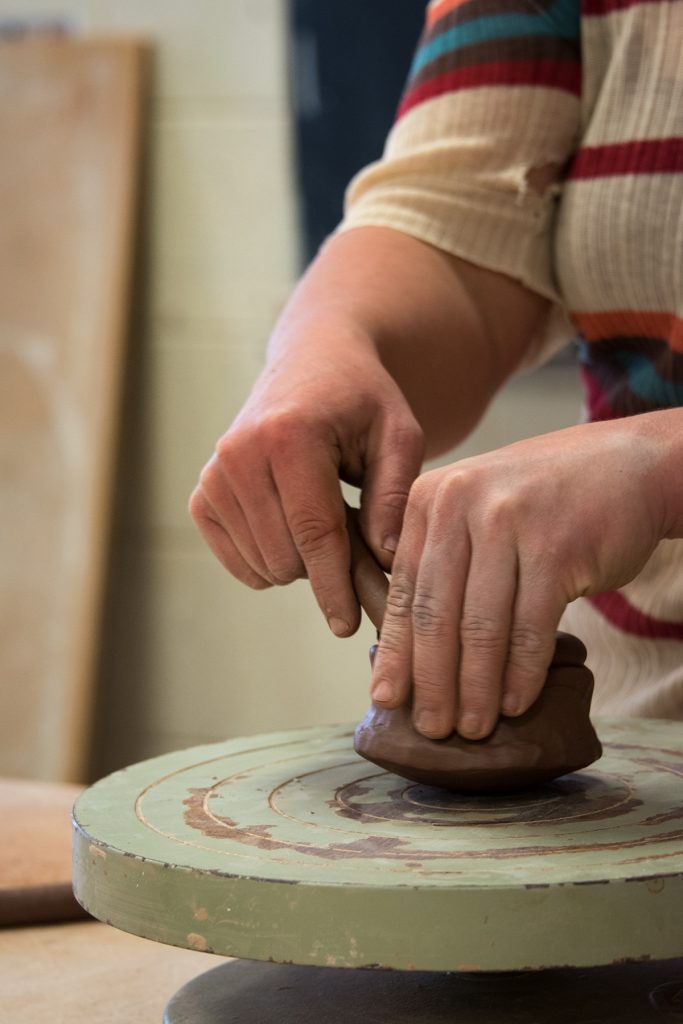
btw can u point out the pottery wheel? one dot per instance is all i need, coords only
(289, 847)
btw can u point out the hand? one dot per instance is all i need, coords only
(269, 502)
(386, 345)
(493, 548)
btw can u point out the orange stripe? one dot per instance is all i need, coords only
(631, 323)
(440, 8)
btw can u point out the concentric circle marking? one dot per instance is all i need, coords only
(192, 846)
(316, 808)
(588, 796)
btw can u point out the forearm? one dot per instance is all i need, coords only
(448, 332)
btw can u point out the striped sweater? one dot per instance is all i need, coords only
(594, 89)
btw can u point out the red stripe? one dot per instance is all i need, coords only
(621, 613)
(647, 156)
(550, 73)
(589, 7)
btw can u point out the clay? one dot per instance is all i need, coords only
(554, 737)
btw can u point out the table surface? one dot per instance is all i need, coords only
(91, 973)
(291, 847)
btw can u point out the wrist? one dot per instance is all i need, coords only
(666, 428)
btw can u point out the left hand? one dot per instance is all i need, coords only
(492, 550)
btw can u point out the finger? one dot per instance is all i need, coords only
(262, 509)
(390, 471)
(537, 612)
(392, 669)
(316, 518)
(369, 581)
(436, 614)
(485, 632)
(227, 511)
(220, 543)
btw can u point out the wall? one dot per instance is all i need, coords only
(189, 655)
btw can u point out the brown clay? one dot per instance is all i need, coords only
(554, 737)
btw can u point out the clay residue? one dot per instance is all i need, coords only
(390, 848)
(216, 826)
(568, 798)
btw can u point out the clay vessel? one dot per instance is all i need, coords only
(554, 737)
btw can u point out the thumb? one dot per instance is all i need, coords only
(393, 463)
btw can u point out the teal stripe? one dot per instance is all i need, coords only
(561, 20)
(646, 383)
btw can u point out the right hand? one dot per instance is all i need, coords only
(269, 503)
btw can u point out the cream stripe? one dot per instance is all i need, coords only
(619, 243)
(517, 125)
(658, 589)
(632, 77)
(633, 676)
(455, 175)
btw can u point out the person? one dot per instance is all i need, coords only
(531, 186)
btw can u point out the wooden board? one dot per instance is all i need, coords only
(35, 859)
(290, 847)
(70, 124)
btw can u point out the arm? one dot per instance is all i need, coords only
(449, 333)
(406, 325)
(386, 347)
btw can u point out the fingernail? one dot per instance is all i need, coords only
(470, 724)
(338, 626)
(511, 705)
(390, 543)
(427, 722)
(383, 691)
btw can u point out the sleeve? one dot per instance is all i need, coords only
(492, 96)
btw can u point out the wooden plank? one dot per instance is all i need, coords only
(35, 867)
(70, 114)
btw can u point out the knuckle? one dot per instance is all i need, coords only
(312, 532)
(481, 634)
(400, 596)
(502, 510)
(529, 646)
(389, 646)
(206, 477)
(285, 571)
(428, 620)
(393, 500)
(283, 430)
(228, 446)
(421, 489)
(454, 483)
(196, 506)
(210, 482)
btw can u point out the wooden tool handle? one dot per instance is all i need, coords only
(369, 580)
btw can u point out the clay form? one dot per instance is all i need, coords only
(554, 737)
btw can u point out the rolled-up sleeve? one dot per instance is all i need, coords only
(492, 96)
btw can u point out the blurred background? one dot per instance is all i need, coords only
(167, 169)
